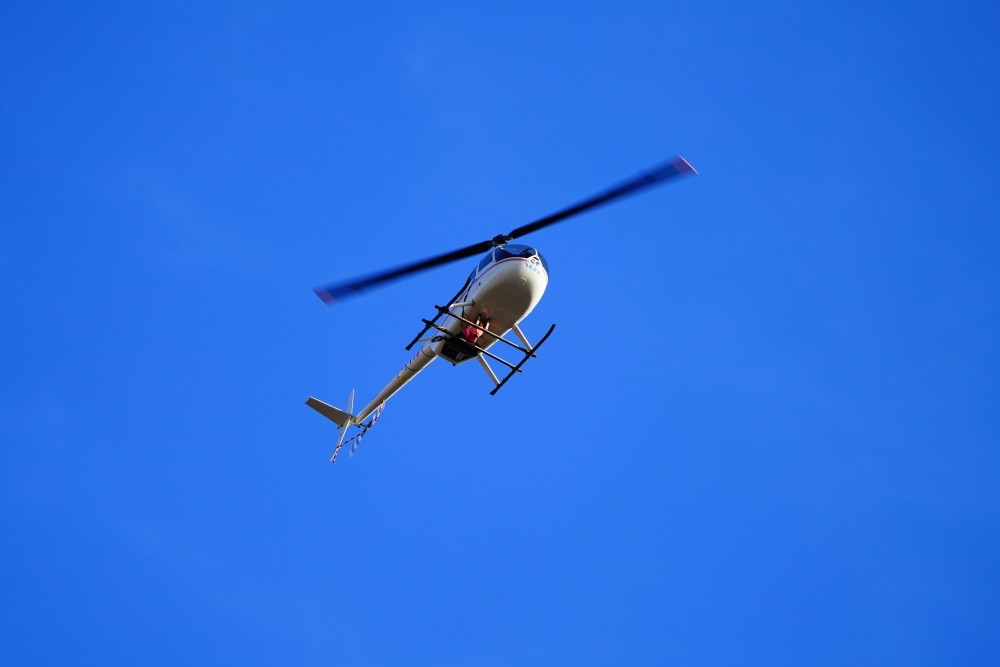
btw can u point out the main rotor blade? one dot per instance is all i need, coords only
(337, 291)
(677, 166)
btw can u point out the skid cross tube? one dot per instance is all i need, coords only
(478, 326)
(527, 356)
(431, 325)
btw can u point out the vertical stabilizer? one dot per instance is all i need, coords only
(339, 417)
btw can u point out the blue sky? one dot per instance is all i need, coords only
(764, 432)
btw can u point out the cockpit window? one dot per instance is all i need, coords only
(518, 250)
(486, 261)
(515, 250)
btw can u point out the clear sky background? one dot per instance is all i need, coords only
(764, 432)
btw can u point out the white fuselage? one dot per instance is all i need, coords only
(501, 291)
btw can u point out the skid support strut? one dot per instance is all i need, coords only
(489, 371)
(529, 353)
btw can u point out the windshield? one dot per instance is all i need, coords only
(515, 250)
(518, 250)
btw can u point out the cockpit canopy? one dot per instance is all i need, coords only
(511, 250)
(506, 252)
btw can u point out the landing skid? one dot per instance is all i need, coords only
(528, 354)
(473, 350)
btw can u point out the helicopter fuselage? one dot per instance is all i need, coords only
(499, 294)
(501, 291)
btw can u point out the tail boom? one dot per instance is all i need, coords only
(419, 362)
(344, 419)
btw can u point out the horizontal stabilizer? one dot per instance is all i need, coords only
(338, 417)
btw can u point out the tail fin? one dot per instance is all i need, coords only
(338, 417)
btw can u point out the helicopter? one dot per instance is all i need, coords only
(503, 288)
